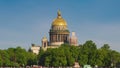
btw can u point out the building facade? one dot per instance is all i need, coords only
(58, 34)
(35, 49)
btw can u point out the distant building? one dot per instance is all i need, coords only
(35, 49)
(73, 39)
(58, 34)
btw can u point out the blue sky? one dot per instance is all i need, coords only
(23, 22)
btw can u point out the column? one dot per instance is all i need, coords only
(56, 38)
(60, 38)
(53, 38)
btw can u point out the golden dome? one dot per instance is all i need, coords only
(59, 21)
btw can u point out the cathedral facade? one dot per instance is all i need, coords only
(59, 34)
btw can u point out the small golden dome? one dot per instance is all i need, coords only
(59, 20)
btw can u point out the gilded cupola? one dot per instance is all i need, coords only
(59, 23)
(59, 20)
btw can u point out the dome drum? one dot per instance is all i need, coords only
(59, 32)
(60, 27)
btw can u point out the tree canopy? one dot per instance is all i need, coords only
(16, 57)
(88, 53)
(65, 55)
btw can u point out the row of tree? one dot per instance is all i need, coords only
(65, 55)
(88, 53)
(16, 57)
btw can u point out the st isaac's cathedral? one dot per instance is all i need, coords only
(58, 34)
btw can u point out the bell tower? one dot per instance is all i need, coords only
(44, 42)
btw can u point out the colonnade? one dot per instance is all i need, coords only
(59, 37)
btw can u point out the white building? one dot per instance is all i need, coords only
(35, 49)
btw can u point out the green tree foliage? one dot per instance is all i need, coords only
(69, 54)
(16, 57)
(105, 47)
(99, 58)
(115, 57)
(31, 59)
(65, 55)
(53, 57)
(4, 58)
(87, 53)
